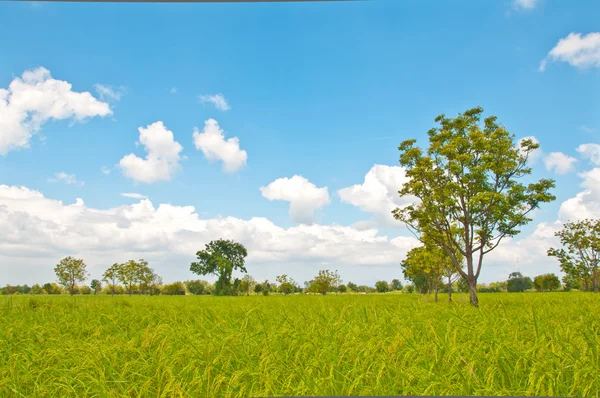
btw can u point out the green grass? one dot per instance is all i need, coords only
(542, 344)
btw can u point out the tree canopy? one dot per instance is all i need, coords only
(581, 258)
(221, 258)
(469, 190)
(69, 271)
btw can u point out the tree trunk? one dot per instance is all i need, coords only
(436, 291)
(473, 291)
(449, 289)
(595, 279)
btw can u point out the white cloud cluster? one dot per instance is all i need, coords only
(378, 194)
(162, 159)
(69, 179)
(585, 204)
(213, 144)
(591, 152)
(303, 195)
(218, 100)
(168, 236)
(35, 98)
(559, 162)
(580, 51)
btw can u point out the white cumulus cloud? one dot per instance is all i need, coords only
(38, 231)
(579, 50)
(303, 195)
(591, 152)
(218, 100)
(378, 194)
(559, 162)
(162, 158)
(585, 204)
(33, 99)
(214, 146)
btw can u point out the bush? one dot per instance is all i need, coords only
(174, 289)
(85, 290)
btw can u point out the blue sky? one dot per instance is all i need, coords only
(319, 90)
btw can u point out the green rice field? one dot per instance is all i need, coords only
(529, 344)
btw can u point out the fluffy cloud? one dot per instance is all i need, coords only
(162, 159)
(304, 196)
(378, 194)
(134, 196)
(580, 51)
(591, 152)
(218, 100)
(559, 162)
(37, 230)
(525, 4)
(213, 144)
(585, 204)
(105, 170)
(35, 98)
(69, 179)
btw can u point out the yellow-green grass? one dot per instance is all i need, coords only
(542, 344)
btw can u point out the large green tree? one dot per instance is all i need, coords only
(468, 189)
(221, 257)
(70, 271)
(581, 258)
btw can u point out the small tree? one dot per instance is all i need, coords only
(286, 285)
(96, 286)
(582, 257)
(198, 287)
(247, 284)
(37, 289)
(424, 267)
(111, 276)
(518, 283)
(352, 287)
(325, 281)
(546, 282)
(129, 274)
(258, 288)
(70, 271)
(221, 258)
(396, 284)
(382, 286)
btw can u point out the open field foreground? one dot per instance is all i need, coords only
(515, 344)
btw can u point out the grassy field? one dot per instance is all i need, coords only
(515, 344)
